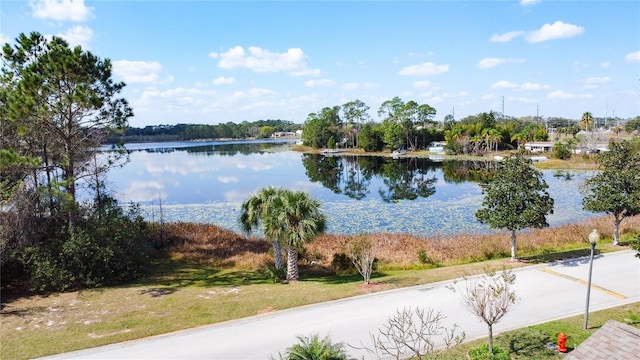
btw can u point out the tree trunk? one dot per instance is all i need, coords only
(277, 255)
(490, 338)
(292, 263)
(513, 245)
(616, 231)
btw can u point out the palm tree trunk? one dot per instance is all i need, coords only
(277, 255)
(292, 263)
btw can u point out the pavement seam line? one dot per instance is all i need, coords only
(582, 282)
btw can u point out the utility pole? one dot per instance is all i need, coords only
(502, 114)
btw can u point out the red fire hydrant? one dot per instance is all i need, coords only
(562, 342)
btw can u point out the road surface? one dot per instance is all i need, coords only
(545, 292)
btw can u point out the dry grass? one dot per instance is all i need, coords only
(208, 244)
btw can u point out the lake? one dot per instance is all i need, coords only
(207, 182)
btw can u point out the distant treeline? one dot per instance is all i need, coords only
(229, 130)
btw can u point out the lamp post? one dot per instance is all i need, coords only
(594, 236)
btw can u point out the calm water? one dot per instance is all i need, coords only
(207, 182)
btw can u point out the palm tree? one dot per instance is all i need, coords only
(587, 120)
(300, 221)
(256, 210)
(314, 348)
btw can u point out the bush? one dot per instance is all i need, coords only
(341, 263)
(276, 275)
(107, 246)
(635, 245)
(314, 348)
(482, 353)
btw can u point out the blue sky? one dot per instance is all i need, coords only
(212, 61)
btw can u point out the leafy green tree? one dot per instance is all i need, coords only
(515, 198)
(615, 190)
(266, 131)
(370, 137)
(356, 113)
(256, 211)
(300, 221)
(561, 150)
(633, 125)
(66, 103)
(314, 348)
(321, 126)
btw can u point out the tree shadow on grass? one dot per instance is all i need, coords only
(578, 255)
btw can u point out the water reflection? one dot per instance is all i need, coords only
(207, 182)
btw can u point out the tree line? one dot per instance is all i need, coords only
(229, 130)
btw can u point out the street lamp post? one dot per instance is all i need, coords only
(594, 236)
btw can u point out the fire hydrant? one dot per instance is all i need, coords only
(562, 342)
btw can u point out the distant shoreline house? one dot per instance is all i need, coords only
(538, 147)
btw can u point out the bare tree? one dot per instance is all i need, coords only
(414, 334)
(362, 257)
(489, 297)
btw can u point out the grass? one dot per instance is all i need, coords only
(572, 327)
(211, 275)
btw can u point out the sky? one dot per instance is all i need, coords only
(211, 62)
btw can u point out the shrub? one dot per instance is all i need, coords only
(482, 353)
(107, 246)
(341, 263)
(276, 275)
(314, 348)
(635, 245)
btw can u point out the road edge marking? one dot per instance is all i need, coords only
(582, 282)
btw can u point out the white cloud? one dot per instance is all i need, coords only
(63, 10)
(632, 57)
(137, 71)
(534, 86)
(488, 63)
(371, 85)
(427, 68)
(78, 35)
(320, 82)
(350, 86)
(596, 80)
(605, 64)
(257, 59)
(487, 97)
(224, 80)
(561, 95)
(227, 179)
(529, 2)
(421, 84)
(557, 30)
(503, 84)
(506, 37)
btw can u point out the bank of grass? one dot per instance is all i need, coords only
(211, 275)
(525, 343)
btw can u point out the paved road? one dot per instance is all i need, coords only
(545, 292)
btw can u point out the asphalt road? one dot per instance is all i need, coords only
(545, 292)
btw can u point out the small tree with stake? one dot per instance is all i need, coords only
(363, 257)
(489, 297)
